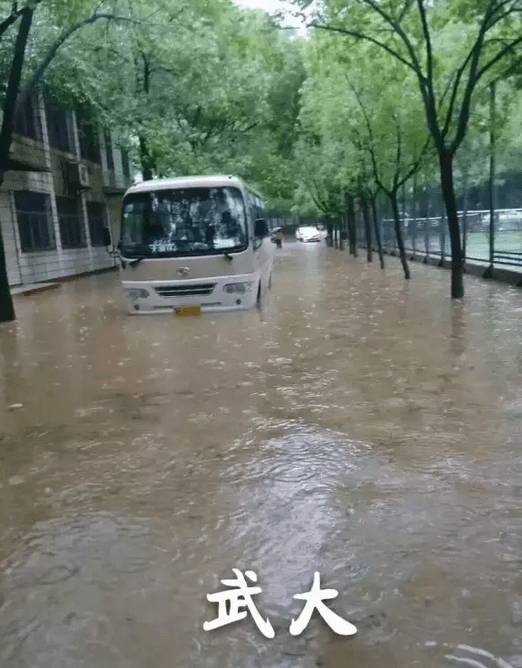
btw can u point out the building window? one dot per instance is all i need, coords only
(96, 215)
(108, 149)
(125, 164)
(27, 121)
(89, 141)
(58, 126)
(33, 212)
(71, 227)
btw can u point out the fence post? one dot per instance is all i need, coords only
(427, 227)
(415, 211)
(442, 239)
(489, 271)
(442, 230)
(464, 217)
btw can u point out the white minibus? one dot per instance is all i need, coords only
(200, 242)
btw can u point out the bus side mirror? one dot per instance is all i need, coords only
(106, 237)
(260, 228)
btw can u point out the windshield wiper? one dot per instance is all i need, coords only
(228, 256)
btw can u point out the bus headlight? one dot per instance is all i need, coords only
(238, 288)
(136, 293)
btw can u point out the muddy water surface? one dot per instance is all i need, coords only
(357, 426)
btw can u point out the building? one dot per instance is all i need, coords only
(64, 187)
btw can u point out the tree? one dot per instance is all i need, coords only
(399, 169)
(204, 87)
(344, 100)
(451, 48)
(6, 303)
(321, 188)
(68, 20)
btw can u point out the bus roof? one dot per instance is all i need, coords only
(187, 182)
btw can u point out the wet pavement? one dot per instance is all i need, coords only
(357, 425)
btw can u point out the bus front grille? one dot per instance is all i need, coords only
(185, 290)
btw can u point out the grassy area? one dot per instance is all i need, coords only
(477, 244)
(511, 241)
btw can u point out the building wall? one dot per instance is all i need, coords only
(106, 187)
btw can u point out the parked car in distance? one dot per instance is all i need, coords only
(307, 233)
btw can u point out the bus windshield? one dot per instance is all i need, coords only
(184, 221)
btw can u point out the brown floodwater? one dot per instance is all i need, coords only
(356, 425)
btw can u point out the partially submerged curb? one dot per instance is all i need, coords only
(26, 290)
(36, 288)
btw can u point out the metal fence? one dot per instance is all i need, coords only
(484, 240)
(429, 236)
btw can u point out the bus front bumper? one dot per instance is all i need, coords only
(225, 293)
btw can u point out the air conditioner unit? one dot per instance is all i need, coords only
(78, 175)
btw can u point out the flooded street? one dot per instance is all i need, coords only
(356, 425)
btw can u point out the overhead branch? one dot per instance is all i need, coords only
(318, 204)
(398, 29)
(501, 54)
(493, 9)
(163, 68)
(368, 38)
(370, 146)
(473, 77)
(407, 6)
(454, 92)
(53, 49)
(9, 20)
(415, 166)
(510, 70)
(429, 51)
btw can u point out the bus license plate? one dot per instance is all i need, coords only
(187, 310)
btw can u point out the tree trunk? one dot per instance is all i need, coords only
(7, 313)
(329, 233)
(398, 234)
(377, 231)
(352, 231)
(146, 160)
(11, 96)
(367, 228)
(349, 227)
(448, 193)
